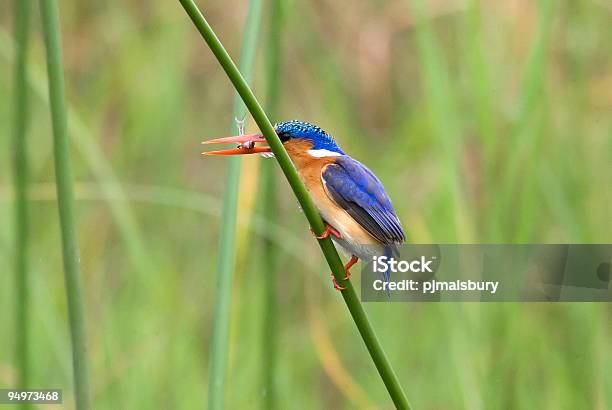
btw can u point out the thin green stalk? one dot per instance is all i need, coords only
(63, 179)
(331, 255)
(270, 210)
(226, 262)
(20, 163)
(270, 303)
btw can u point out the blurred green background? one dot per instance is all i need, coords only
(488, 122)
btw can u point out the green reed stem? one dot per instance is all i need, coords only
(358, 314)
(270, 211)
(20, 168)
(226, 262)
(63, 177)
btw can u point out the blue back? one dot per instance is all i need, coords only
(357, 190)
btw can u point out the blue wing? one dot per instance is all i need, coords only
(357, 190)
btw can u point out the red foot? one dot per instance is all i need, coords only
(349, 265)
(336, 286)
(347, 268)
(329, 230)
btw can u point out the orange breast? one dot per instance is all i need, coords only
(310, 170)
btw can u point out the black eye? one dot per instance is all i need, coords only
(284, 136)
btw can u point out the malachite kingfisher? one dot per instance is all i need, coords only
(351, 200)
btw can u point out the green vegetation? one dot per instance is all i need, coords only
(268, 198)
(227, 244)
(519, 92)
(65, 201)
(20, 175)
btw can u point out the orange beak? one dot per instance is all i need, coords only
(246, 145)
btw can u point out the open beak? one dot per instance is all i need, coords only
(246, 145)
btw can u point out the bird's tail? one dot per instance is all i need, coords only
(390, 251)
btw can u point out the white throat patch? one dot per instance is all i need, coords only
(320, 153)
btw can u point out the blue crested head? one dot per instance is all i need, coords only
(296, 129)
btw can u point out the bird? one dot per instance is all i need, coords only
(357, 212)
